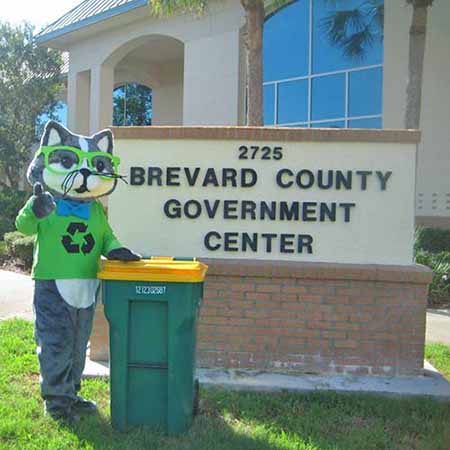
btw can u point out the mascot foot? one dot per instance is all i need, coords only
(83, 405)
(63, 415)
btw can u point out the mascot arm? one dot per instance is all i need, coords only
(26, 220)
(38, 207)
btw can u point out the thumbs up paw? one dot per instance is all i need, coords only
(43, 202)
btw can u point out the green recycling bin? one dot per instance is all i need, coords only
(152, 307)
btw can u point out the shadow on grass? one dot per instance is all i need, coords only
(339, 421)
(210, 431)
(315, 421)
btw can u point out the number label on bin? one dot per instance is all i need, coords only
(150, 290)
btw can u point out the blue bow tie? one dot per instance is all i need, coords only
(73, 208)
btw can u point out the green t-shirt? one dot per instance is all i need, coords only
(67, 247)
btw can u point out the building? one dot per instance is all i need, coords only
(195, 67)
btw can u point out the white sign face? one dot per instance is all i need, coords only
(297, 201)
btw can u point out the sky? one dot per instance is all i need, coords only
(39, 12)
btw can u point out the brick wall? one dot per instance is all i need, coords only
(308, 318)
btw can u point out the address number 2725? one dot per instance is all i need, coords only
(257, 152)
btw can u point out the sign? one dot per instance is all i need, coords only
(349, 202)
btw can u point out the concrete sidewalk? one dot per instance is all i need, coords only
(431, 384)
(438, 326)
(16, 295)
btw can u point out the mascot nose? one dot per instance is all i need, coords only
(85, 172)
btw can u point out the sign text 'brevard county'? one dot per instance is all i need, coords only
(302, 179)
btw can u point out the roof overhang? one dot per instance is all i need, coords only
(60, 37)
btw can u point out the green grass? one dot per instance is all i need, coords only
(439, 356)
(2, 248)
(229, 420)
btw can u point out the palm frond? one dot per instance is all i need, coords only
(340, 24)
(355, 30)
(378, 16)
(170, 7)
(356, 45)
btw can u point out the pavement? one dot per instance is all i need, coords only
(431, 383)
(438, 326)
(16, 293)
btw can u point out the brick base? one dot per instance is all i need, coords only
(308, 318)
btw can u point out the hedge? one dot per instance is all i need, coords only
(21, 247)
(439, 290)
(433, 240)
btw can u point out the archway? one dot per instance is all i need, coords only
(151, 68)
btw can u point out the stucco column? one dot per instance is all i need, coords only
(78, 97)
(101, 104)
(211, 80)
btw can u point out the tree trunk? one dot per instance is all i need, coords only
(254, 13)
(417, 40)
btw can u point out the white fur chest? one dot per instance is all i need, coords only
(78, 293)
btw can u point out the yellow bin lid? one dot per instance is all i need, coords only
(154, 269)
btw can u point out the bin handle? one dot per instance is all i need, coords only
(170, 258)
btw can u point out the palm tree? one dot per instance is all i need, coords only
(254, 15)
(417, 40)
(357, 29)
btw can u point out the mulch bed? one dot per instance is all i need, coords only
(14, 265)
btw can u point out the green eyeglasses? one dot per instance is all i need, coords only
(63, 160)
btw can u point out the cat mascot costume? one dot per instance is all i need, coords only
(69, 173)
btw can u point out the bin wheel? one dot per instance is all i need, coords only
(196, 406)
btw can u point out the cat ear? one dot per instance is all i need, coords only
(54, 134)
(104, 140)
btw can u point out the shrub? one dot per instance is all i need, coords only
(439, 290)
(3, 253)
(432, 240)
(11, 201)
(10, 238)
(21, 247)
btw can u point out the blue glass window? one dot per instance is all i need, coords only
(328, 97)
(269, 104)
(317, 80)
(365, 123)
(328, 57)
(293, 101)
(365, 92)
(286, 42)
(132, 105)
(333, 124)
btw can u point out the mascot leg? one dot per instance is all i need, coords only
(55, 335)
(84, 321)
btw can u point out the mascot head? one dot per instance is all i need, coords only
(75, 167)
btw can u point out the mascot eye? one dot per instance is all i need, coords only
(100, 166)
(66, 162)
(103, 164)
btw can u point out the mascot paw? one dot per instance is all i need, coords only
(43, 203)
(123, 254)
